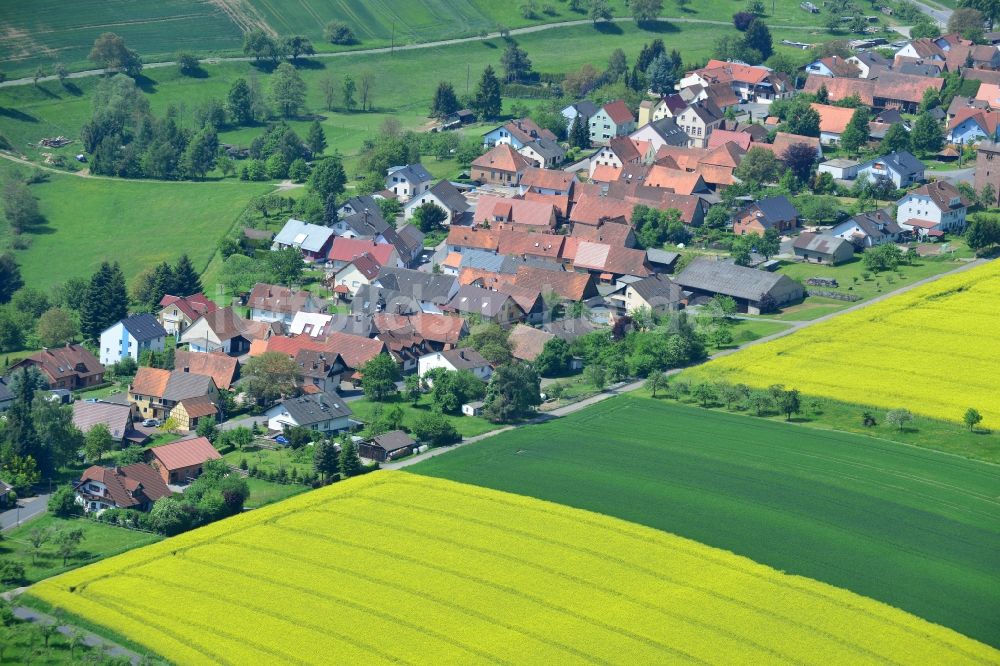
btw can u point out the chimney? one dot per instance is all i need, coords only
(187, 368)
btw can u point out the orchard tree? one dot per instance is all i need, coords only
(56, 327)
(288, 90)
(926, 136)
(20, 206)
(899, 418)
(599, 10)
(967, 22)
(645, 11)
(379, 377)
(328, 178)
(972, 418)
(111, 53)
(239, 102)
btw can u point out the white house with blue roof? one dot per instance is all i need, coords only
(408, 181)
(131, 336)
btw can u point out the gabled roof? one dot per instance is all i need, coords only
(722, 277)
(706, 110)
(473, 299)
(184, 453)
(840, 66)
(489, 261)
(313, 408)
(502, 157)
(720, 137)
(526, 130)
(182, 385)
(610, 232)
(192, 306)
(222, 368)
(658, 290)
(309, 237)
(128, 486)
(902, 162)
(227, 324)
(464, 359)
(548, 179)
(720, 70)
(415, 173)
(986, 120)
(625, 149)
(619, 112)
(394, 440)
(450, 196)
(728, 155)
(473, 237)
(783, 141)
(676, 180)
(199, 406)
(547, 148)
(821, 243)
(276, 298)
(150, 381)
(346, 249)
(144, 327)
(832, 119)
(61, 362)
(493, 209)
(942, 193)
(611, 259)
(526, 342)
(590, 209)
(775, 209)
(432, 327)
(426, 287)
(408, 239)
(88, 414)
(569, 285)
(668, 131)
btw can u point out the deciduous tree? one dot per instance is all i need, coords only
(972, 418)
(268, 377)
(111, 53)
(379, 377)
(288, 90)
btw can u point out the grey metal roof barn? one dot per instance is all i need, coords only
(748, 284)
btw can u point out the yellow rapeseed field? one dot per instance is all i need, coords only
(934, 350)
(407, 568)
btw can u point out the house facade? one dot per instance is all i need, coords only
(71, 367)
(454, 360)
(154, 393)
(611, 120)
(408, 181)
(179, 312)
(988, 169)
(312, 240)
(269, 302)
(182, 461)
(323, 412)
(932, 210)
(822, 248)
(902, 168)
(131, 336)
(445, 196)
(698, 120)
(502, 165)
(776, 213)
(135, 487)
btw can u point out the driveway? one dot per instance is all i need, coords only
(27, 508)
(956, 176)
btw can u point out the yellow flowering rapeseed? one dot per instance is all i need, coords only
(399, 567)
(934, 350)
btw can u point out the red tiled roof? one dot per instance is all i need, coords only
(681, 182)
(721, 137)
(619, 112)
(559, 201)
(833, 119)
(219, 366)
(515, 211)
(192, 306)
(566, 284)
(185, 453)
(605, 173)
(731, 71)
(548, 179)
(150, 381)
(502, 157)
(128, 486)
(346, 249)
(590, 209)
(199, 406)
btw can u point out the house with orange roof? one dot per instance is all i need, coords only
(891, 90)
(675, 180)
(833, 120)
(611, 120)
(568, 285)
(834, 66)
(502, 165)
(156, 394)
(225, 331)
(472, 238)
(223, 369)
(972, 126)
(345, 250)
(609, 262)
(182, 461)
(751, 83)
(592, 208)
(620, 152)
(517, 133)
(547, 181)
(517, 214)
(720, 137)
(558, 201)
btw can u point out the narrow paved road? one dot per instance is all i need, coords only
(938, 13)
(618, 389)
(30, 507)
(404, 47)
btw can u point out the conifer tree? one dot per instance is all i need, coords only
(487, 100)
(316, 139)
(186, 280)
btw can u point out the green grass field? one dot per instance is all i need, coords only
(914, 528)
(99, 541)
(137, 223)
(467, 426)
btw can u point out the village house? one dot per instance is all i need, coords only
(358, 273)
(491, 306)
(834, 66)
(115, 417)
(902, 168)
(869, 63)
(833, 120)
(320, 370)
(753, 290)
(889, 90)
(526, 342)
(668, 106)
(698, 120)
(323, 412)
(223, 369)
(516, 214)
(988, 170)
(312, 240)
(584, 108)
(932, 210)
(543, 152)
(611, 120)
(619, 153)
(181, 462)
(516, 134)
(157, 394)
(869, 229)
(404, 291)
(439, 332)
(502, 165)
(226, 331)
(179, 312)
(776, 213)
(454, 360)
(269, 302)
(360, 217)
(548, 182)
(134, 487)
(659, 133)
(71, 367)
(822, 248)
(972, 126)
(445, 196)
(752, 84)
(387, 446)
(408, 181)
(345, 250)
(609, 262)
(131, 336)
(656, 293)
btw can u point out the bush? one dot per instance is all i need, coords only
(11, 572)
(435, 429)
(338, 32)
(63, 504)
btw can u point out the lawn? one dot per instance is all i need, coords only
(99, 541)
(471, 575)
(265, 492)
(270, 460)
(136, 223)
(467, 426)
(914, 528)
(931, 350)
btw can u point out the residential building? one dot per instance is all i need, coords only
(526, 343)
(619, 153)
(543, 152)
(548, 181)
(783, 141)
(405, 291)
(439, 332)
(323, 412)
(869, 229)
(360, 217)
(131, 336)
(516, 134)
(752, 289)
(698, 120)
(115, 417)
(584, 108)
(454, 360)
(154, 393)
(360, 272)
(776, 213)
(135, 487)
(310, 239)
(971, 126)
(387, 446)
(491, 306)
(667, 106)
(269, 302)
(661, 132)
(988, 170)
(840, 168)
(932, 209)
(320, 370)
(179, 312)
(822, 248)
(445, 196)
(902, 168)
(656, 293)
(567, 285)
(752, 84)
(226, 331)
(223, 369)
(408, 181)
(611, 120)
(834, 66)
(345, 250)
(71, 367)
(517, 214)
(502, 165)
(182, 461)
(833, 120)
(890, 90)
(869, 63)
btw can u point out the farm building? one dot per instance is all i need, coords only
(387, 446)
(182, 461)
(751, 288)
(822, 248)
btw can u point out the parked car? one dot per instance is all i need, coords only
(151, 423)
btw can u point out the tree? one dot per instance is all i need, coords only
(270, 376)
(187, 64)
(885, 257)
(662, 75)
(742, 20)
(367, 83)
(347, 91)
(20, 206)
(185, 279)
(67, 541)
(968, 22)
(379, 376)
(855, 134)
(337, 32)
(896, 138)
(982, 232)
(350, 462)
(11, 573)
(759, 166)
(239, 102)
(599, 10)
(487, 101)
(554, 359)
(445, 102)
(55, 328)
(899, 417)
(802, 119)
(110, 53)
(260, 45)
(429, 217)
(799, 158)
(655, 382)
(926, 136)
(328, 177)
(316, 138)
(288, 90)
(435, 429)
(297, 45)
(207, 428)
(326, 460)
(703, 393)
(972, 418)
(37, 538)
(298, 171)
(98, 441)
(579, 134)
(790, 403)
(199, 158)
(63, 504)
(760, 402)
(106, 301)
(515, 62)
(513, 392)
(758, 38)
(645, 11)
(10, 277)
